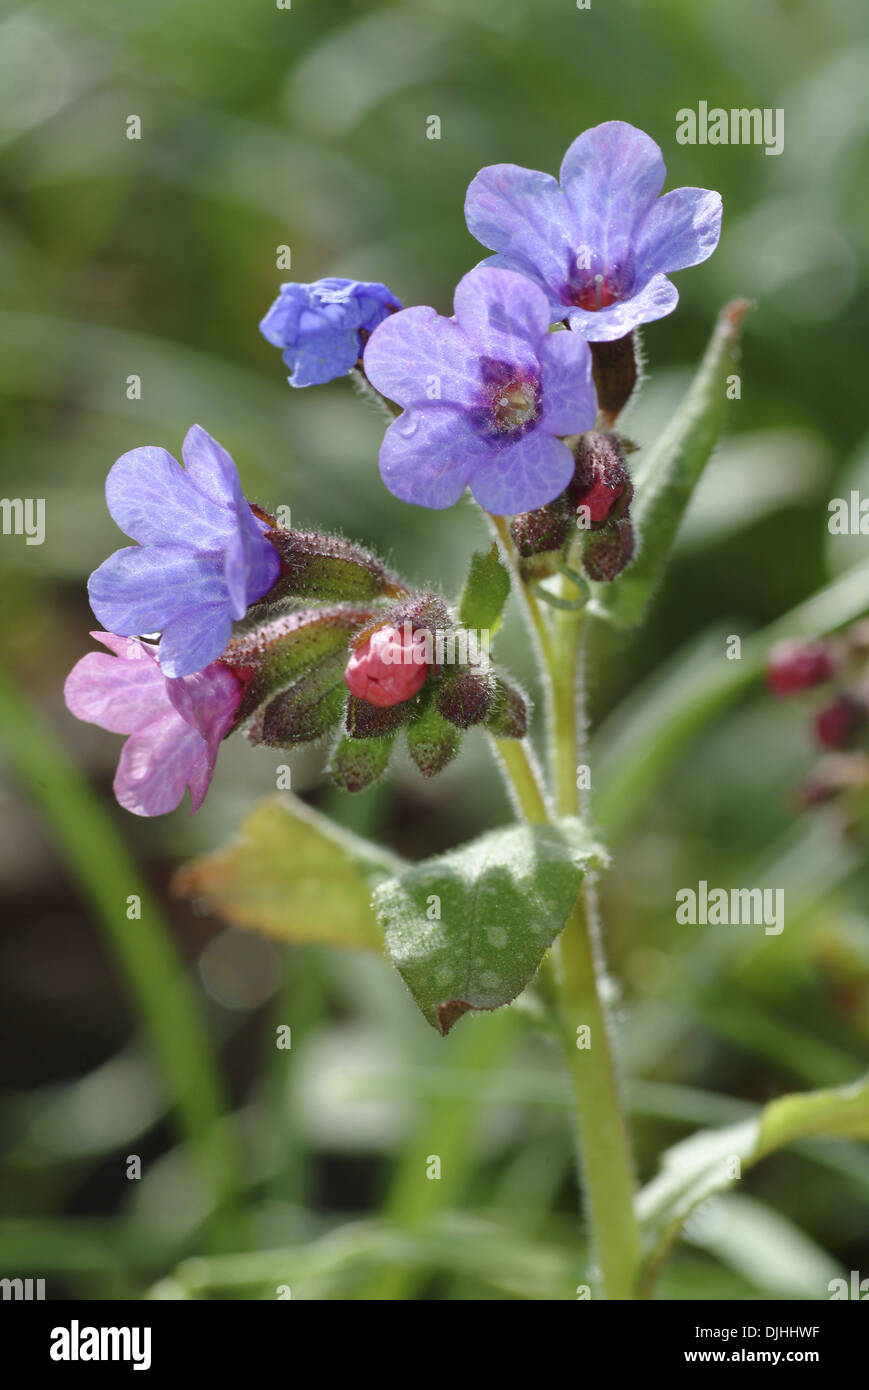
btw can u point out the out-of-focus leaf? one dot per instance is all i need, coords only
(292, 874)
(675, 465)
(468, 929)
(712, 1160)
(485, 593)
(762, 1245)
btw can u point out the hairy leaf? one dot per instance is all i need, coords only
(468, 929)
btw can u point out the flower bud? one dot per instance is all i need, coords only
(274, 654)
(797, 664)
(546, 529)
(387, 668)
(465, 696)
(364, 720)
(326, 567)
(614, 367)
(306, 711)
(606, 553)
(508, 715)
(357, 763)
(837, 723)
(432, 740)
(601, 483)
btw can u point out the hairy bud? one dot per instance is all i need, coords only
(606, 553)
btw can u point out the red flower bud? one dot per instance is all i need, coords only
(387, 668)
(838, 721)
(795, 665)
(601, 482)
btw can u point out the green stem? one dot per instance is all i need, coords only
(576, 974)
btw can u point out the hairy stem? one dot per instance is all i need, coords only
(579, 977)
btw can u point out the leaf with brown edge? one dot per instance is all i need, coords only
(292, 874)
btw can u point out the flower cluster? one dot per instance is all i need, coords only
(838, 669)
(217, 618)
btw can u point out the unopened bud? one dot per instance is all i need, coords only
(547, 529)
(606, 553)
(601, 483)
(614, 366)
(508, 716)
(326, 567)
(465, 697)
(357, 763)
(432, 741)
(797, 664)
(838, 722)
(387, 668)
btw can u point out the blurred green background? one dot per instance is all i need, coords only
(306, 127)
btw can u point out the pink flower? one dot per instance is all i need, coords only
(387, 669)
(175, 725)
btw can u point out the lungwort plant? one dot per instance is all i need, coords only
(218, 619)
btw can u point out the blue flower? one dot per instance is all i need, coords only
(321, 326)
(202, 556)
(486, 395)
(602, 242)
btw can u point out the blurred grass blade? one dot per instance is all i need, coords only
(711, 1160)
(767, 1249)
(100, 864)
(648, 731)
(673, 469)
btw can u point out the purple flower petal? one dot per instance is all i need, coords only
(154, 502)
(122, 696)
(194, 639)
(524, 216)
(569, 397)
(427, 456)
(210, 468)
(155, 766)
(524, 475)
(203, 556)
(682, 229)
(320, 326)
(207, 702)
(601, 242)
(144, 588)
(655, 300)
(175, 725)
(416, 357)
(504, 312)
(611, 176)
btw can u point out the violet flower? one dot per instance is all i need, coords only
(175, 726)
(322, 327)
(202, 558)
(601, 243)
(486, 395)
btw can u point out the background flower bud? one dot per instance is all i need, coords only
(797, 664)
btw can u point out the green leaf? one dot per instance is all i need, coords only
(292, 874)
(712, 1160)
(468, 929)
(673, 469)
(485, 593)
